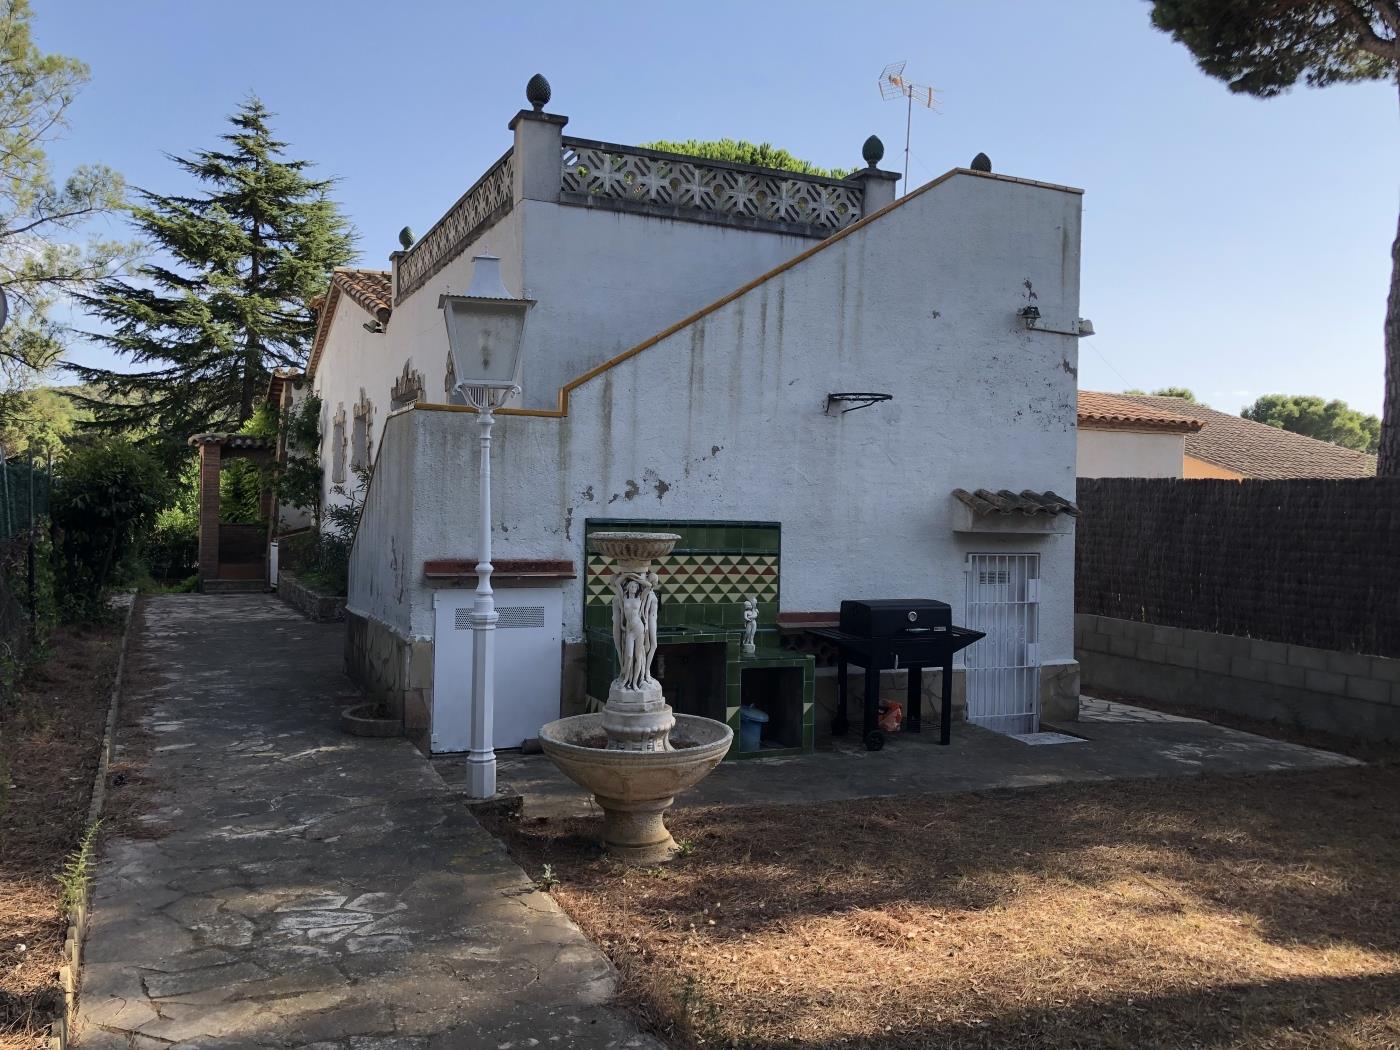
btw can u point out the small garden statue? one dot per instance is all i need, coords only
(750, 624)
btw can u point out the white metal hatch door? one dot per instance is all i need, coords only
(1003, 669)
(528, 657)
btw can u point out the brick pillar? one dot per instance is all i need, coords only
(210, 456)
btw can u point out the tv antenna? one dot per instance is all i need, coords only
(894, 85)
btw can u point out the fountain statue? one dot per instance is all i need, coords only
(637, 755)
(750, 625)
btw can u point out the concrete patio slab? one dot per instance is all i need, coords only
(1115, 742)
(302, 888)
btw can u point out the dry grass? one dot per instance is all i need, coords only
(50, 739)
(1243, 913)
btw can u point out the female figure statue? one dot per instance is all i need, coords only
(750, 624)
(632, 652)
(634, 627)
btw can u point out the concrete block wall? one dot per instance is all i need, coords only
(1349, 694)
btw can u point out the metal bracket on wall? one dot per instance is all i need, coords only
(856, 399)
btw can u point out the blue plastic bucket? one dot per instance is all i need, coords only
(751, 723)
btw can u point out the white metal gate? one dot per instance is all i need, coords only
(1003, 669)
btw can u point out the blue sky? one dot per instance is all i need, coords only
(1233, 245)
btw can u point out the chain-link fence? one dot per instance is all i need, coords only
(25, 487)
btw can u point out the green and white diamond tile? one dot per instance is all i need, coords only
(718, 579)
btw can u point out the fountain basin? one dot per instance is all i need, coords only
(633, 549)
(635, 788)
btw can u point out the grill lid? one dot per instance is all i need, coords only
(892, 617)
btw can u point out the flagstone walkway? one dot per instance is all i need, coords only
(310, 889)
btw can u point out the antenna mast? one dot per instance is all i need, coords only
(894, 85)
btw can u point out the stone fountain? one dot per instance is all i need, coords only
(637, 755)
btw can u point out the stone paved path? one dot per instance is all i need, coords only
(315, 890)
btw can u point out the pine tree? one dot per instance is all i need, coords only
(49, 246)
(229, 297)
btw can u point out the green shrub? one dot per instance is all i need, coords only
(321, 559)
(107, 495)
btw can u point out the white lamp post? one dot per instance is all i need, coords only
(484, 332)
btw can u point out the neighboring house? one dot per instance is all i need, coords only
(691, 319)
(1120, 438)
(1114, 443)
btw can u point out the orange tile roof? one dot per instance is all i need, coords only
(1123, 412)
(371, 290)
(1257, 450)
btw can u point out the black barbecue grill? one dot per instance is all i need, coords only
(889, 633)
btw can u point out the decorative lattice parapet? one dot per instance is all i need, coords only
(481, 206)
(602, 174)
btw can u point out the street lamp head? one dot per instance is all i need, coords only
(485, 329)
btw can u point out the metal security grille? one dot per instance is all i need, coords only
(506, 616)
(520, 616)
(1003, 669)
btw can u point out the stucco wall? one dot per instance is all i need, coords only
(386, 565)
(605, 280)
(1129, 454)
(355, 360)
(724, 419)
(1199, 468)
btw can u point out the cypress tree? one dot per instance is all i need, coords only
(228, 296)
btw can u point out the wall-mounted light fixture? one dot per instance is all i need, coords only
(1030, 317)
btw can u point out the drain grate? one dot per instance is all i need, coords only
(1037, 739)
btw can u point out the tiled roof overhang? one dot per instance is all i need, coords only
(1257, 450)
(1026, 503)
(1111, 412)
(278, 382)
(371, 290)
(507, 568)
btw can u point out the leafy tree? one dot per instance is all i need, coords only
(44, 255)
(229, 300)
(37, 419)
(1264, 47)
(763, 155)
(1166, 391)
(241, 481)
(1175, 391)
(1333, 421)
(107, 494)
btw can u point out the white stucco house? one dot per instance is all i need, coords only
(692, 319)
